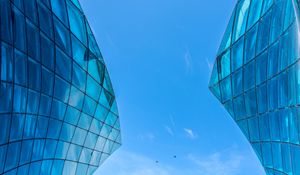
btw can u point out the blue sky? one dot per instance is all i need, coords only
(159, 54)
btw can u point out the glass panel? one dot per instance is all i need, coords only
(250, 43)
(12, 156)
(6, 22)
(74, 152)
(67, 132)
(47, 52)
(60, 10)
(20, 68)
(5, 121)
(34, 75)
(33, 102)
(6, 62)
(26, 151)
(261, 68)
(17, 125)
(237, 54)
(19, 29)
(254, 13)
(45, 19)
(263, 33)
(79, 77)
(31, 10)
(241, 19)
(262, 98)
(224, 65)
(47, 81)
(62, 35)
(63, 65)
(226, 89)
(79, 136)
(37, 151)
(20, 99)
(76, 98)
(34, 43)
(5, 97)
(55, 126)
(69, 168)
(77, 22)
(61, 89)
(85, 121)
(250, 103)
(249, 79)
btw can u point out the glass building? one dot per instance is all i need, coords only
(256, 76)
(58, 113)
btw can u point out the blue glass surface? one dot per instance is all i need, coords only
(58, 112)
(265, 79)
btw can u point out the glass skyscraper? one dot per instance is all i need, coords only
(256, 76)
(58, 113)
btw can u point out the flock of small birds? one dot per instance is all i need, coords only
(173, 157)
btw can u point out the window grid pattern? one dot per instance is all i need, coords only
(256, 76)
(58, 113)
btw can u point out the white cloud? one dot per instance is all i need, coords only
(190, 133)
(169, 130)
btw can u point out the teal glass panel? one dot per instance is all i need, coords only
(226, 41)
(60, 10)
(264, 127)
(241, 18)
(225, 86)
(254, 13)
(250, 43)
(225, 65)
(263, 32)
(273, 60)
(237, 54)
(277, 160)
(261, 68)
(250, 103)
(237, 83)
(249, 80)
(253, 129)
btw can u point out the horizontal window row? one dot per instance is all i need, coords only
(20, 126)
(24, 152)
(279, 158)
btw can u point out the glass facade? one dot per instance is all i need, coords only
(58, 113)
(256, 76)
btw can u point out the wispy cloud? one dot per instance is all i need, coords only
(188, 61)
(210, 64)
(169, 130)
(226, 163)
(147, 136)
(190, 133)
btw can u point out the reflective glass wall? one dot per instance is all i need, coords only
(58, 113)
(256, 76)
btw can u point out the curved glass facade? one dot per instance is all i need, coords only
(256, 76)
(58, 113)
